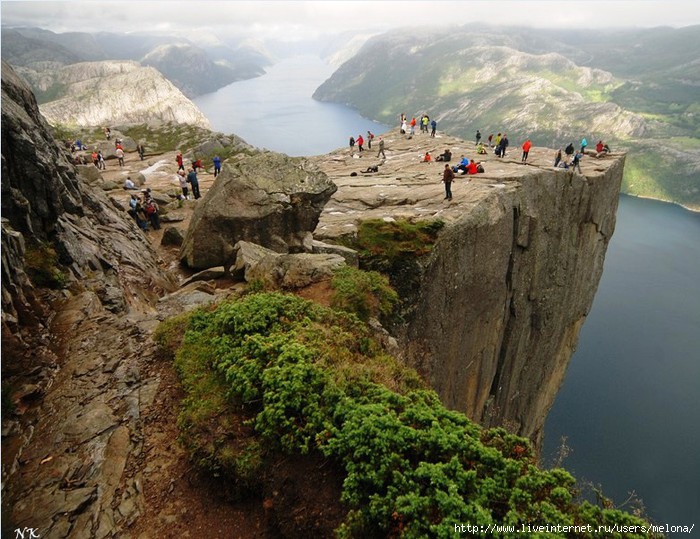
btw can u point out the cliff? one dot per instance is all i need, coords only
(635, 89)
(111, 93)
(492, 315)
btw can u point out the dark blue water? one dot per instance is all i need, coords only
(276, 111)
(630, 404)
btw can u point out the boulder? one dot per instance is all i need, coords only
(206, 275)
(294, 271)
(248, 255)
(269, 199)
(172, 236)
(90, 173)
(350, 255)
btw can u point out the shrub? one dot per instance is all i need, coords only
(364, 293)
(307, 378)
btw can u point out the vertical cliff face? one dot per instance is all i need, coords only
(499, 302)
(506, 291)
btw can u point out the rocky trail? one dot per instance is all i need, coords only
(98, 456)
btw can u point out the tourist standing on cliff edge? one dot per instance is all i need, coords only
(447, 177)
(526, 151)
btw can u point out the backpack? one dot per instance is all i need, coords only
(479, 168)
(150, 208)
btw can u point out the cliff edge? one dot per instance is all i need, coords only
(491, 316)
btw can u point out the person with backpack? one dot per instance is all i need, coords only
(151, 209)
(194, 182)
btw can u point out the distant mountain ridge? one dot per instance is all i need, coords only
(636, 89)
(193, 69)
(113, 93)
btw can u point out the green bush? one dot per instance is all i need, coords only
(364, 293)
(306, 378)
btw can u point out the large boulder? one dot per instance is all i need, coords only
(269, 199)
(294, 271)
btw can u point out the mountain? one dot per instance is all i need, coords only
(190, 69)
(113, 93)
(636, 90)
(194, 70)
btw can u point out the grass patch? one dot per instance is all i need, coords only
(41, 265)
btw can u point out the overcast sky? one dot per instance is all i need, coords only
(292, 19)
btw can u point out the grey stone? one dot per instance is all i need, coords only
(248, 255)
(350, 255)
(294, 271)
(206, 275)
(269, 199)
(172, 236)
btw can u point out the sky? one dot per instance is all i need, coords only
(294, 20)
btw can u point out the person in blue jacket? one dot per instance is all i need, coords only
(217, 165)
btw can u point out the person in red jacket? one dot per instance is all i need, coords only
(526, 150)
(360, 141)
(180, 166)
(473, 167)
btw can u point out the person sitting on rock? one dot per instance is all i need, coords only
(480, 149)
(473, 167)
(601, 149)
(444, 156)
(128, 184)
(463, 164)
(426, 158)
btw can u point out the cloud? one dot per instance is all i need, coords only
(291, 20)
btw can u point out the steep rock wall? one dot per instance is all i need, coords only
(505, 293)
(492, 315)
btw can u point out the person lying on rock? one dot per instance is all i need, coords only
(371, 169)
